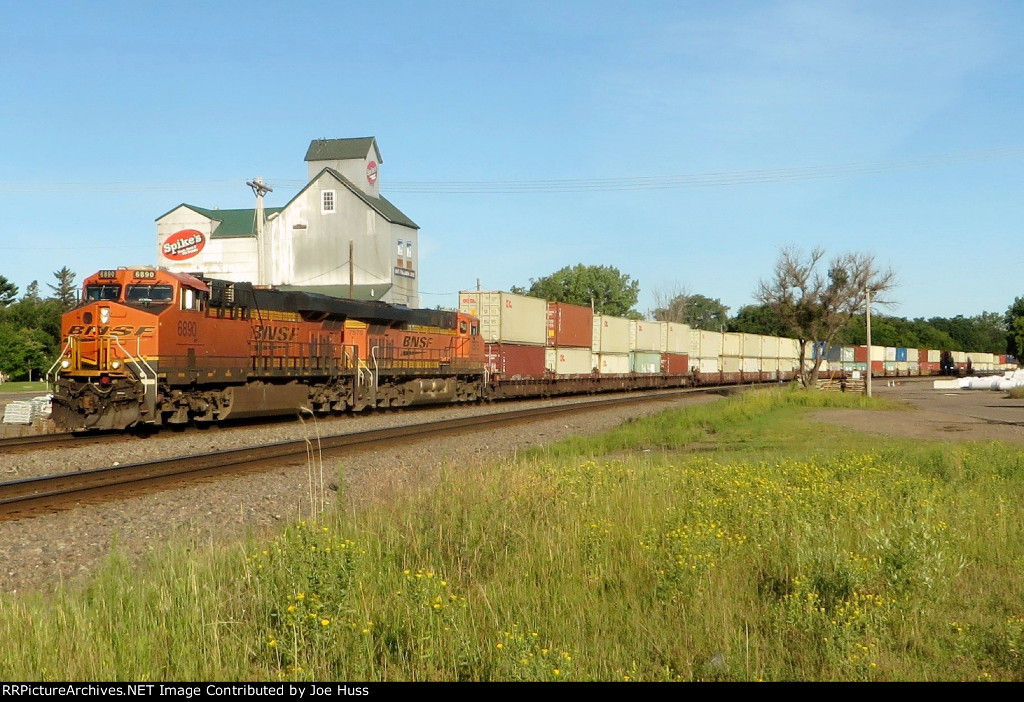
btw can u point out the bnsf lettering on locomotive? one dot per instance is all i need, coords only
(122, 330)
(416, 342)
(272, 333)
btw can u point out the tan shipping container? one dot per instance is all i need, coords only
(507, 317)
(646, 336)
(569, 360)
(611, 335)
(677, 338)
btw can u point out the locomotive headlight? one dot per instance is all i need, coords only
(65, 363)
(114, 365)
(104, 315)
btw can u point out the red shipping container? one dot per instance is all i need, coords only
(675, 363)
(860, 354)
(515, 360)
(878, 366)
(570, 325)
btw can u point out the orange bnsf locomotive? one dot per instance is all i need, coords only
(147, 346)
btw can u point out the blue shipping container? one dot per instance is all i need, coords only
(901, 354)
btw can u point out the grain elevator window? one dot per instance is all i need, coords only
(327, 201)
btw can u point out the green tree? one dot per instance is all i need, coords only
(65, 290)
(758, 319)
(8, 292)
(699, 311)
(1014, 322)
(603, 287)
(31, 292)
(815, 305)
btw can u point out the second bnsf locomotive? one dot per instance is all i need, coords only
(147, 346)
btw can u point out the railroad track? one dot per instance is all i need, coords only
(29, 497)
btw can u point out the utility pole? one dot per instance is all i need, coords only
(867, 324)
(260, 189)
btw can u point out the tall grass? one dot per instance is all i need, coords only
(737, 541)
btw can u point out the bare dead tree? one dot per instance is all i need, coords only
(816, 305)
(670, 303)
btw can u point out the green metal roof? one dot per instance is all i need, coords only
(382, 205)
(233, 223)
(342, 149)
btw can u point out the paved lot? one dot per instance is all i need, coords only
(952, 415)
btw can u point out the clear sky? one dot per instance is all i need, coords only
(682, 142)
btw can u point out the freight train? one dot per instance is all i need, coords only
(146, 346)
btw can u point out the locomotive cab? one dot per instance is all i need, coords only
(106, 375)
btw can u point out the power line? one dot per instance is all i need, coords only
(663, 182)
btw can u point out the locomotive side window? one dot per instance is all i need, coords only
(188, 298)
(149, 293)
(462, 327)
(475, 330)
(102, 292)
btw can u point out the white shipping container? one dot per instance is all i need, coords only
(611, 335)
(677, 337)
(769, 365)
(732, 344)
(959, 357)
(890, 354)
(789, 348)
(750, 346)
(507, 317)
(707, 365)
(565, 360)
(770, 347)
(710, 343)
(731, 364)
(613, 362)
(902, 367)
(750, 365)
(646, 336)
(913, 355)
(878, 353)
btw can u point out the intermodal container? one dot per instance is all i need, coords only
(890, 354)
(515, 360)
(750, 364)
(731, 364)
(913, 355)
(570, 325)
(789, 348)
(646, 336)
(901, 354)
(569, 360)
(610, 335)
(732, 344)
(751, 345)
(934, 356)
(677, 338)
(708, 365)
(705, 344)
(645, 362)
(770, 347)
(507, 317)
(675, 363)
(617, 363)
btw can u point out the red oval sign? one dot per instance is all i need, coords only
(184, 244)
(371, 172)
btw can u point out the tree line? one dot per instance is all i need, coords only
(807, 297)
(30, 325)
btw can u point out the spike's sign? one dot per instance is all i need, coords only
(184, 244)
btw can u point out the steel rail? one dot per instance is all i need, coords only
(32, 496)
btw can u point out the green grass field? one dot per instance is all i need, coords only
(735, 541)
(23, 386)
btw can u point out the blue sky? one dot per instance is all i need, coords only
(698, 138)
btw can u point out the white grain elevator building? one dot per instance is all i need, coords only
(305, 244)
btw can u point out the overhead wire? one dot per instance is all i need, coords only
(570, 185)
